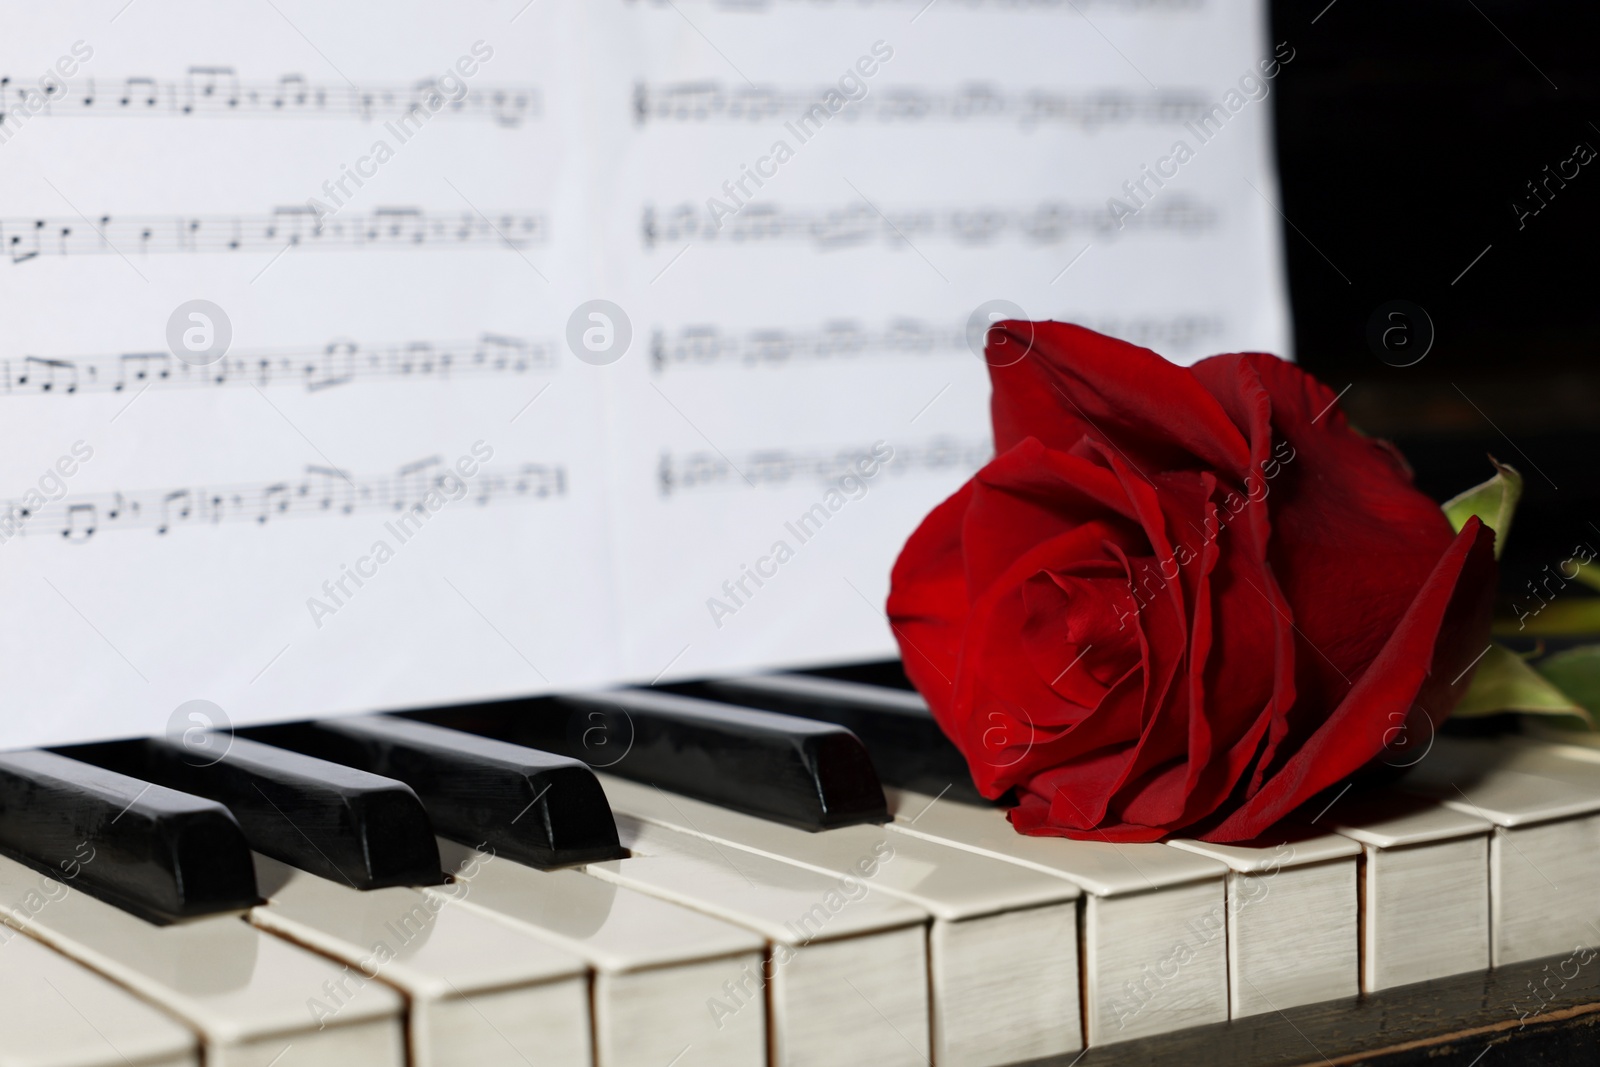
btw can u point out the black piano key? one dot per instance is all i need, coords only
(533, 807)
(795, 771)
(907, 746)
(890, 673)
(335, 821)
(158, 853)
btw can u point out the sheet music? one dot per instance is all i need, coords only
(367, 356)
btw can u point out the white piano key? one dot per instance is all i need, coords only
(479, 994)
(250, 996)
(1003, 944)
(847, 979)
(1292, 918)
(1544, 856)
(1424, 887)
(61, 1014)
(659, 968)
(1577, 764)
(1154, 943)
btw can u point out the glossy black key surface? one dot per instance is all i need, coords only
(907, 746)
(796, 771)
(339, 822)
(153, 851)
(533, 807)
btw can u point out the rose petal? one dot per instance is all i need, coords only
(1074, 383)
(1424, 658)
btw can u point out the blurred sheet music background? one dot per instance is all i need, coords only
(372, 356)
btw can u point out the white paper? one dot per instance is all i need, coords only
(626, 524)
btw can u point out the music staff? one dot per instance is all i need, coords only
(856, 224)
(702, 345)
(714, 100)
(329, 366)
(319, 492)
(212, 91)
(1119, 6)
(24, 239)
(689, 471)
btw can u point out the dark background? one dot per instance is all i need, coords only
(1405, 132)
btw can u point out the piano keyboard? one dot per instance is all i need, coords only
(782, 871)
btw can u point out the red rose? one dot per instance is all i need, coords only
(1181, 597)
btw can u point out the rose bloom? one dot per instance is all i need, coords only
(1182, 598)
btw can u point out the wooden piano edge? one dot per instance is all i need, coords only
(1450, 1021)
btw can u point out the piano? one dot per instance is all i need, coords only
(784, 869)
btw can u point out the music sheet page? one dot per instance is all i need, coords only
(372, 356)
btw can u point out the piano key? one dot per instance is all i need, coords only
(778, 767)
(156, 852)
(533, 807)
(848, 974)
(478, 993)
(1577, 764)
(61, 1014)
(658, 968)
(1292, 919)
(1154, 917)
(1542, 855)
(1002, 948)
(336, 821)
(250, 996)
(1424, 887)
(906, 744)
(807, 774)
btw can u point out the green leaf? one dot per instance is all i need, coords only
(1505, 682)
(1588, 573)
(1494, 502)
(1577, 615)
(1576, 672)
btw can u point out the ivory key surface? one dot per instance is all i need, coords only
(657, 966)
(249, 995)
(1003, 942)
(1293, 935)
(847, 978)
(61, 1014)
(1154, 944)
(1424, 887)
(477, 992)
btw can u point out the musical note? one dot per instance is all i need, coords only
(47, 380)
(121, 506)
(218, 92)
(505, 352)
(137, 91)
(298, 225)
(178, 498)
(80, 522)
(321, 492)
(335, 364)
(413, 482)
(856, 224)
(216, 85)
(273, 497)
